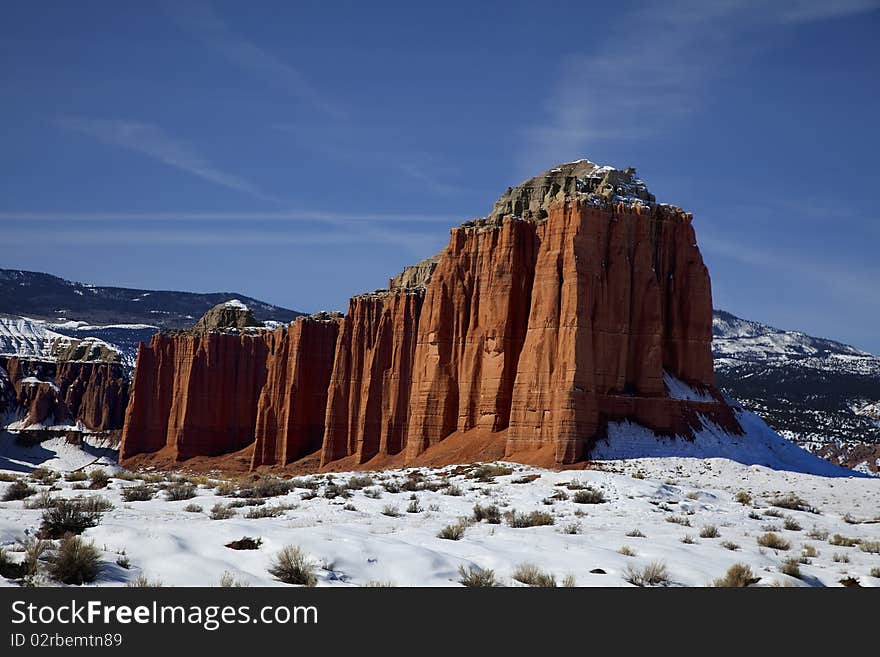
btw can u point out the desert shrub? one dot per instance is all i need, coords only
(44, 475)
(349, 507)
(818, 534)
(414, 507)
(292, 566)
(840, 558)
(7, 477)
(843, 541)
(635, 533)
(792, 568)
(454, 532)
(35, 550)
(525, 479)
(688, 539)
(228, 581)
(391, 511)
(653, 574)
(791, 524)
(743, 498)
(709, 531)
(18, 490)
(679, 520)
(247, 502)
(572, 528)
(99, 478)
(391, 486)
(357, 483)
(531, 575)
(490, 513)
(94, 504)
(475, 577)
(76, 475)
(791, 501)
(43, 500)
(143, 582)
(693, 496)
(773, 541)
(267, 487)
(226, 488)
(67, 517)
(193, 508)
(872, 547)
(268, 511)
(559, 496)
(875, 571)
(574, 484)
(588, 495)
(332, 491)
(730, 545)
(245, 543)
(413, 484)
(222, 512)
(809, 551)
(75, 562)
(486, 473)
(180, 490)
(308, 495)
(774, 513)
(373, 493)
(123, 561)
(453, 490)
(568, 582)
(627, 551)
(533, 519)
(739, 575)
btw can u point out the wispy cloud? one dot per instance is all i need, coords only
(648, 70)
(206, 25)
(283, 216)
(417, 244)
(153, 142)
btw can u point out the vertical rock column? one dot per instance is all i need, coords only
(293, 403)
(369, 398)
(471, 332)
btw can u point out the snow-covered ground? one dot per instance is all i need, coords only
(652, 505)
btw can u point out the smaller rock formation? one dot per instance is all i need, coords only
(228, 315)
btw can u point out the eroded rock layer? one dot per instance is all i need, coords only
(65, 392)
(293, 401)
(572, 304)
(195, 395)
(369, 399)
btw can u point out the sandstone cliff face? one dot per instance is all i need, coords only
(195, 395)
(94, 393)
(561, 310)
(369, 398)
(293, 401)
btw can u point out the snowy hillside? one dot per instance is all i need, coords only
(20, 336)
(43, 296)
(816, 392)
(685, 520)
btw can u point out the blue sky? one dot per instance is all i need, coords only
(304, 152)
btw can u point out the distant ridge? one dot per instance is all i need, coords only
(43, 296)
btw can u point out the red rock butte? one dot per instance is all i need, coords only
(578, 301)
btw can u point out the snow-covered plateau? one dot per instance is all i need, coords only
(687, 519)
